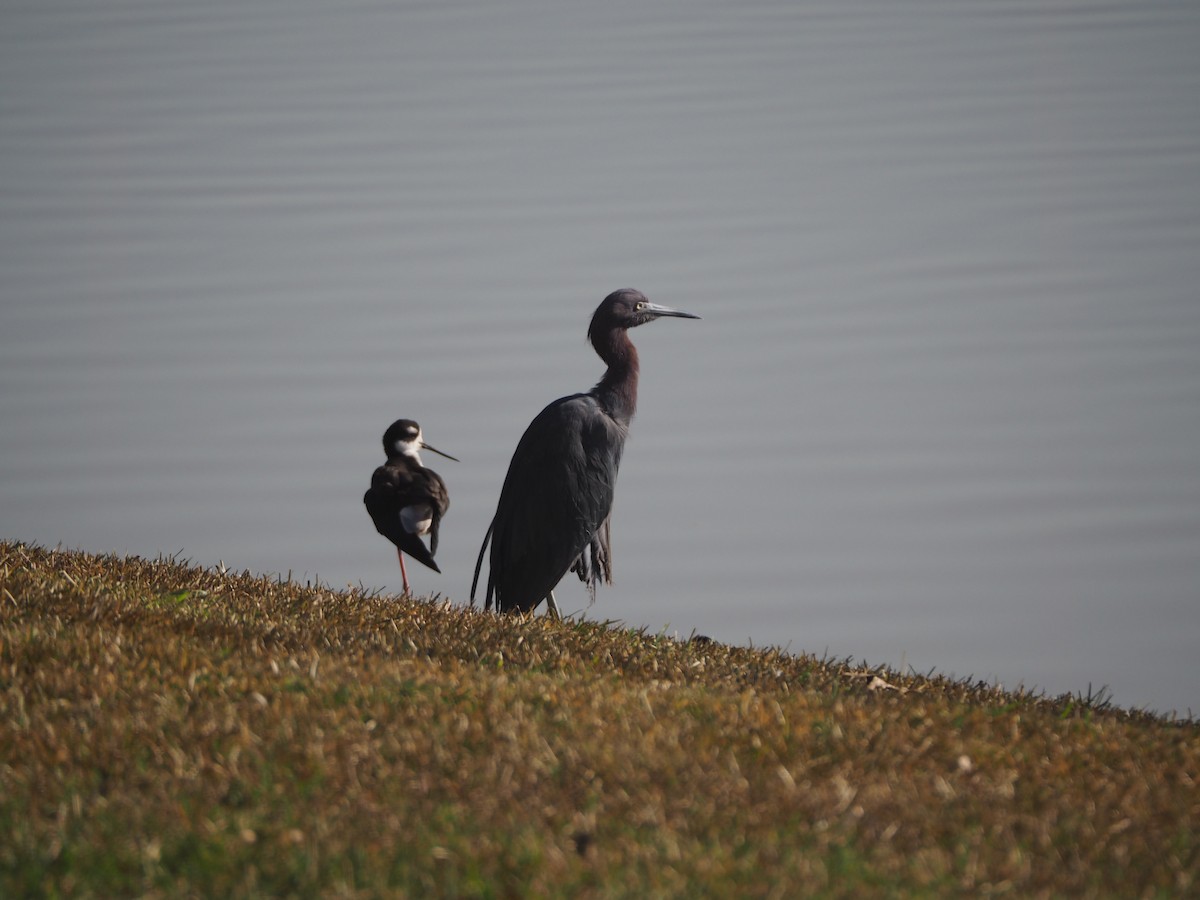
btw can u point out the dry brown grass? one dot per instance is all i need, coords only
(168, 730)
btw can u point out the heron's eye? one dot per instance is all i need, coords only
(640, 305)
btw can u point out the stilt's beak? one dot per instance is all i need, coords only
(425, 446)
(655, 310)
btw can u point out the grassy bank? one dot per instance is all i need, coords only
(169, 730)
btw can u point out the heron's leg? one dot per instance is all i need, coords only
(552, 607)
(403, 573)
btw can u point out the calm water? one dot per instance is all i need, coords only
(943, 408)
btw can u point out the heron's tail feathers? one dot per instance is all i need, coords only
(479, 565)
(595, 562)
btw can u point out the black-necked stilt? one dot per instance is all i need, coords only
(407, 500)
(553, 514)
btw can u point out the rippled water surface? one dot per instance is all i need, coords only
(943, 407)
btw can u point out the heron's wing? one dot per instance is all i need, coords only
(557, 493)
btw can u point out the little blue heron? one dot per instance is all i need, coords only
(553, 514)
(407, 500)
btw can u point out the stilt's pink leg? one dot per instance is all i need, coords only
(403, 573)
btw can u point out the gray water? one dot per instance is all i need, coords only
(943, 406)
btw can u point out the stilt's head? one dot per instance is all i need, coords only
(404, 438)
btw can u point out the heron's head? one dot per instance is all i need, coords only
(404, 438)
(628, 308)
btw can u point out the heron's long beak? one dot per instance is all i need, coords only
(657, 310)
(425, 446)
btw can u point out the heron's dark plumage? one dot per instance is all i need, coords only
(553, 513)
(560, 482)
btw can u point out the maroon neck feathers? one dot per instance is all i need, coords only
(617, 390)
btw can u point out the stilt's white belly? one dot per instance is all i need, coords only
(417, 518)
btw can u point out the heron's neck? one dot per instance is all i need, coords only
(617, 390)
